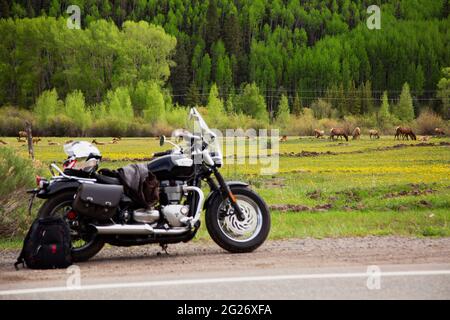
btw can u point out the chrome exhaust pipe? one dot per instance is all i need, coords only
(198, 210)
(137, 229)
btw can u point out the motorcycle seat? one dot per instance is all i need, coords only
(107, 180)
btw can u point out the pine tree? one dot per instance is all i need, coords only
(297, 105)
(192, 96)
(4, 9)
(341, 101)
(353, 99)
(179, 74)
(383, 113)
(215, 104)
(367, 106)
(282, 117)
(212, 24)
(204, 75)
(443, 92)
(232, 36)
(252, 103)
(405, 108)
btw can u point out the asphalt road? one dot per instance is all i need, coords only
(365, 268)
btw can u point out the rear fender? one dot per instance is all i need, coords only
(56, 187)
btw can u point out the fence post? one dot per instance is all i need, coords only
(30, 139)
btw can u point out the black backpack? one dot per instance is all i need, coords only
(47, 245)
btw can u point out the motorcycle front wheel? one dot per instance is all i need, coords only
(232, 234)
(85, 242)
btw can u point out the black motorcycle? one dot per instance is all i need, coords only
(99, 208)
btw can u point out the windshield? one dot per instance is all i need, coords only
(200, 126)
(201, 129)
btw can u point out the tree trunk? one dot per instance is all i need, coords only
(30, 140)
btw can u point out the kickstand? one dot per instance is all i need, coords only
(164, 247)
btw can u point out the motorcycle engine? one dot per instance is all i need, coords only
(172, 209)
(171, 194)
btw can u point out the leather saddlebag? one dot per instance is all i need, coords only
(98, 201)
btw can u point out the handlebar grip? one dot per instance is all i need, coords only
(163, 153)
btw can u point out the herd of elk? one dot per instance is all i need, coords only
(400, 132)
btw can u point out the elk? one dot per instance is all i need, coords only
(439, 131)
(68, 141)
(36, 140)
(356, 133)
(405, 132)
(52, 143)
(424, 138)
(3, 142)
(22, 134)
(318, 133)
(374, 133)
(97, 143)
(338, 132)
(283, 139)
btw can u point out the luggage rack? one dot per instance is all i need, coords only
(62, 175)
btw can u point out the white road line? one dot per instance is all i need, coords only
(223, 280)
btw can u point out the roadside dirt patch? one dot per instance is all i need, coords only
(415, 192)
(304, 153)
(300, 207)
(316, 194)
(274, 182)
(350, 195)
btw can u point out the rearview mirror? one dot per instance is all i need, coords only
(162, 140)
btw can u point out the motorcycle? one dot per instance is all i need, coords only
(236, 217)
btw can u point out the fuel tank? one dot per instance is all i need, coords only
(171, 167)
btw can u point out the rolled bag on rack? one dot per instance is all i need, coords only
(97, 201)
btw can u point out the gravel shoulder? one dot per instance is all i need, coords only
(207, 259)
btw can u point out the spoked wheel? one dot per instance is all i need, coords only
(236, 235)
(85, 243)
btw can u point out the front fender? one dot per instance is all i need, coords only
(57, 187)
(212, 194)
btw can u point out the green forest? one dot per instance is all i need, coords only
(135, 65)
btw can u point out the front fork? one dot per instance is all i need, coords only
(226, 192)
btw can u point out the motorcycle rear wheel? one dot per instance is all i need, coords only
(85, 245)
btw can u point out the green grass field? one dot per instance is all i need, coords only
(363, 188)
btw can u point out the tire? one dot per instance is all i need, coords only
(58, 201)
(214, 219)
